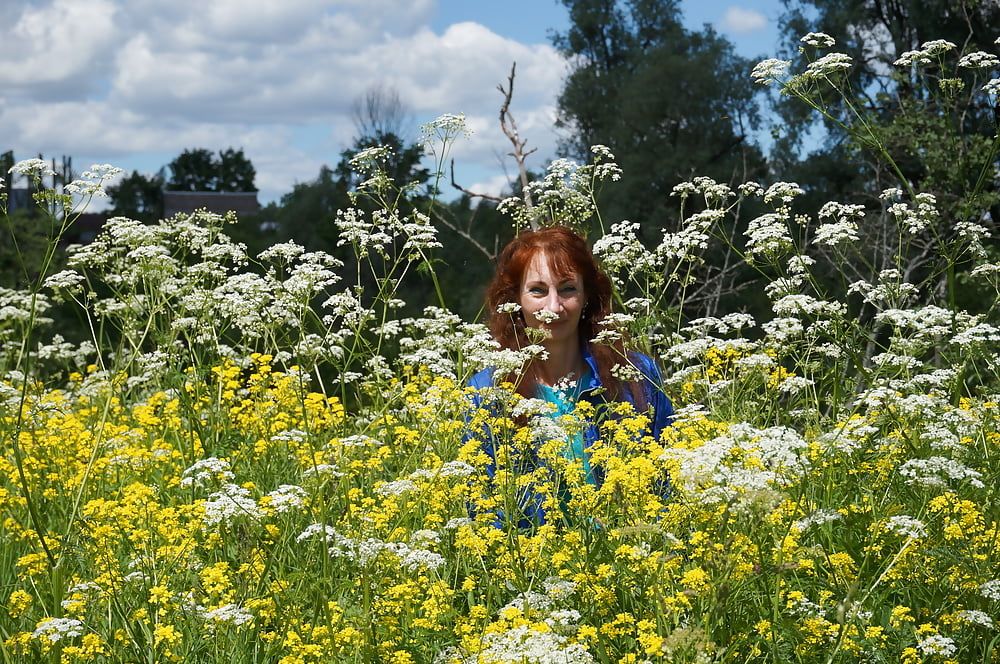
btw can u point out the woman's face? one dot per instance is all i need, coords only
(544, 291)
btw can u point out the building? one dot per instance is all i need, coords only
(220, 202)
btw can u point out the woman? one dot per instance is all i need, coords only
(559, 290)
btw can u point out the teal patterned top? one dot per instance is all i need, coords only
(565, 404)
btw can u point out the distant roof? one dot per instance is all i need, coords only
(220, 202)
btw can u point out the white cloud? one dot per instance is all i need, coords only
(741, 21)
(60, 47)
(116, 78)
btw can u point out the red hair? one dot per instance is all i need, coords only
(568, 255)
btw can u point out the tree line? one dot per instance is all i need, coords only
(671, 103)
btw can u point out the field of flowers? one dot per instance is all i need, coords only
(257, 460)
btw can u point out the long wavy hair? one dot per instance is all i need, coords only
(568, 255)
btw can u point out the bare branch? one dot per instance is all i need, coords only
(379, 112)
(469, 192)
(490, 256)
(509, 127)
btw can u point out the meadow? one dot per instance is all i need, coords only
(259, 459)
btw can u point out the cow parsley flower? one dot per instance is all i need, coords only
(979, 60)
(444, 127)
(769, 71)
(991, 590)
(975, 617)
(992, 87)
(828, 65)
(906, 526)
(508, 308)
(396, 488)
(231, 503)
(205, 471)
(936, 471)
(286, 498)
(935, 644)
(525, 645)
(229, 614)
(837, 233)
(785, 192)
(937, 46)
(55, 630)
(768, 234)
(818, 39)
(546, 316)
(32, 168)
(818, 518)
(910, 58)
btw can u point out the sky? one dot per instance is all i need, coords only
(134, 82)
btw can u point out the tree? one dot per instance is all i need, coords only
(236, 172)
(668, 102)
(200, 170)
(138, 197)
(379, 111)
(402, 164)
(920, 115)
(904, 114)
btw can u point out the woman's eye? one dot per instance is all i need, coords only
(535, 290)
(569, 289)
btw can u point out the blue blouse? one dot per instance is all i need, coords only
(531, 503)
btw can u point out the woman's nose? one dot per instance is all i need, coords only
(555, 302)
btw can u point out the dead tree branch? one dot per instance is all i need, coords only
(469, 192)
(509, 127)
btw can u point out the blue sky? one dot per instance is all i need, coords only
(134, 82)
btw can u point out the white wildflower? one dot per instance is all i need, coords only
(54, 630)
(322, 470)
(837, 233)
(768, 71)
(546, 315)
(910, 58)
(396, 487)
(818, 39)
(832, 63)
(768, 234)
(231, 614)
(936, 644)
(207, 470)
(936, 471)
(231, 503)
(818, 518)
(286, 498)
(66, 280)
(906, 526)
(991, 590)
(508, 308)
(33, 168)
(975, 617)
(937, 46)
(785, 192)
(979, 60)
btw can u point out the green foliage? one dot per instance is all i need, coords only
(929, 117)
(640, 87)
(25, 239)
(137, 197)
(200, 170)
